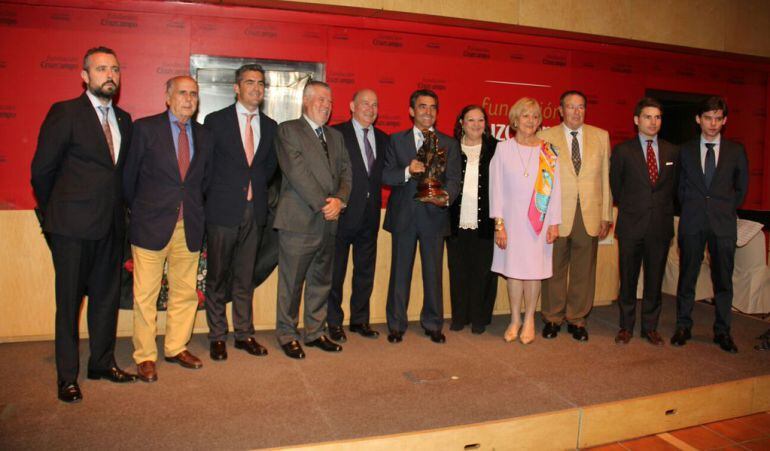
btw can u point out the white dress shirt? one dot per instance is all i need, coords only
(568, 136)
(360, 137)
(703, 150)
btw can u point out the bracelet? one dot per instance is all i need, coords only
(499, 221)
(499, 227)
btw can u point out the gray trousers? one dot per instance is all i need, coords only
(303, 259)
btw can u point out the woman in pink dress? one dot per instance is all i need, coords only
(525, 202)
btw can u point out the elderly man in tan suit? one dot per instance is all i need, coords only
(584, 158)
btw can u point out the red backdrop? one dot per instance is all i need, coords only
(42, 48)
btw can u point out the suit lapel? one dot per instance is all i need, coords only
(167, 138)
(565, 151)
(314, 153)
(664, 156)
(123, 127)
(355, 155)
(235, 131)
(724, 156)
(640, 162)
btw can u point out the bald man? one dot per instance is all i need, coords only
(360, 223)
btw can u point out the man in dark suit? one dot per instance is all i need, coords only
(314, 190)
(76, 178)
(360, 223)
(411, 221)
(164, 181)
(713, 180)
(243, 161)
(643, 175)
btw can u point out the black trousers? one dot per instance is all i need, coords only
(472, 284)
(633, 254)
(364, 243)
(402, 264)
(92, 268)
(722, 252)
(232, 254)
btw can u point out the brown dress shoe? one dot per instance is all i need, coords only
(146, 371)
(186, 359)
(654, 338)
(623, 337)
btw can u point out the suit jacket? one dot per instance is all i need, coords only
(593, 183)
(485, 223)
(78, 188)
(712, 207)
(309, 177)
(366, 194)
(154, 188)
(231, 173)
(644, 209)
(403, 209)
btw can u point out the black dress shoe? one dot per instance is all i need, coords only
(654, 338)
(323, 343)
(551, 330)
(681, 336)
(478, 330)
(579, 333)
(395, 337)
(623, 337)
(337, 333)
(365, 330)
(293, 349)
(113, 374)
(251, 346)
(456, 327)
(435, 336)
(725, 342)
(218, 350)
(764, 336)
(69, 392)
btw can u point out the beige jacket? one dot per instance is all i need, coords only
(593, 183)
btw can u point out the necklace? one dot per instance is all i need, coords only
(521, 160)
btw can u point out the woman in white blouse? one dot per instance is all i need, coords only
(472, 284)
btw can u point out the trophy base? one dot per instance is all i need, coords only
(431, 191)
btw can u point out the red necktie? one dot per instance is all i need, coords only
(248, 146)
(183, 156)
(652, 163)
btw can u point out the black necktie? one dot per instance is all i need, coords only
(710, 166)
(575, 152)
(320, 132)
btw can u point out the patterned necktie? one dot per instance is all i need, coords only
(183, 156)
(652, 163)
(108, 131)
(248, 146)
(369, 152)
(320, 132)
(710, 166)
(575, 152)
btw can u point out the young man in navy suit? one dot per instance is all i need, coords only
(713, 181)
(76, 178)
(643, 177)
(359, 224)
(243, 161)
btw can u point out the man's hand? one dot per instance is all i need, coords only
(551, 234)
(604, 229)
(416, 167)
(332, 209)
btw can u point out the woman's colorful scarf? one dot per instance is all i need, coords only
(541, 196)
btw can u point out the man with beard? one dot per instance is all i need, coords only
(410, 220)
(76, 178)
(314, 191)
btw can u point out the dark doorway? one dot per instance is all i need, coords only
(679, 110)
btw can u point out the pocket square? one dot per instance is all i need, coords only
(669, 163)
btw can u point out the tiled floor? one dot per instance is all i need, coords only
(744, 433)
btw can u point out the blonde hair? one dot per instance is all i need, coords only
(524, 103)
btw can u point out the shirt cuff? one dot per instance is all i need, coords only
(407, 175)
